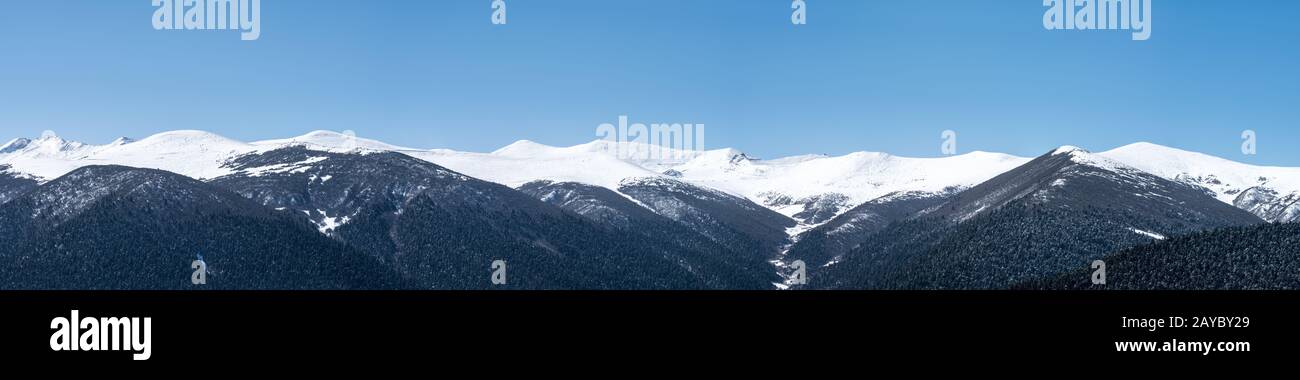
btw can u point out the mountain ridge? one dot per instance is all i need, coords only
(435, 226)
(812, 189)
(1063, 208)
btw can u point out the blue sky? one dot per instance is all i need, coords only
(862, 75)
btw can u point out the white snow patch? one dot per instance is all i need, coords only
(295, 167)
(1149, 234)
(329, 224)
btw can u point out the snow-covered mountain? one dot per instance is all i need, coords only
(625, 215)
(49, 156)
(1048, 216)
(814, 189)
(194, 154)
(811, 189)
(1073, 178)
(1272, 193)
(526, 161)
(333, 142)
(440, 228)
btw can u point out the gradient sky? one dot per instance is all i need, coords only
(862, 75)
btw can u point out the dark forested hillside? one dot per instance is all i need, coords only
(12, 185)
(1240, 258)
(844, 233)
(111, 227)
(729, 220)
(723, 266)
(443, 230)
(1017, 243)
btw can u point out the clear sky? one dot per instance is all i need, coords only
(861, 75)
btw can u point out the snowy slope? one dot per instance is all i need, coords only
(810, 188)
(652, 157)
(196, 154)
(1268, 192)
(1070, 178)
(332, 141)
(48, 156)
(527, 161)
(791, 184)
(787, 185)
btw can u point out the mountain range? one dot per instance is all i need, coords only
(1042, 218)
(330, 210)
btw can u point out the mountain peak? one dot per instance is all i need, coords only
(49, 135)
(1083, 157)
(729, 155)
(1069, 149)
(51, 140)
(1146, 144)
(339, 142)
(739, 157)
(328, 138)
(186, 135)
(1146, 149)
(523, 147)
(326, 133)
(49, 144)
